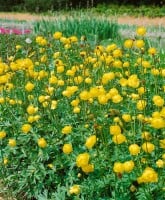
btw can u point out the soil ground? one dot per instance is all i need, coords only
(145, 21)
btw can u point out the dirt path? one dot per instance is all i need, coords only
(145, 21)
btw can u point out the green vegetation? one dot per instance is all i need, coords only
(82, 117)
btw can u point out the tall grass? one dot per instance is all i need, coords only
(95, 29)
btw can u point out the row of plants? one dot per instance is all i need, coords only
(81, 120)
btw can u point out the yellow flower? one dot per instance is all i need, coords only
(82, 160)
(91, 141)
(84, 95)
(119, 139)
(118, 167)
(134, 149)
(117, 53)
(102, 99)
(26, 128)
(141, 104)
(158, 100)
(111, 47)
(160, 163)
(67, 148)
(67, 129)
(141, 90)
(76, 109)
(31, 109)
(162, 143)
(75, 189)
(50, 165)
(108, 77)
(139, 43)
(158, 122)
(57, 35)
(133, 81)
(12, 142)
(29, 86)
(42, 143)
(141, 31)
(149, 175)
(88, 168)
(53, 104)
(146, 135)
(53, 79)
(148, 147)
(117, 98)
(115, 130)
(117, 63)
(5, 161)
(128, 43)
(75, 102)
(126, 117)
(128, 166)
(152, 51)
(2, 134)
(2, 100)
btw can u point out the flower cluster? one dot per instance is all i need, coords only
(76, 112)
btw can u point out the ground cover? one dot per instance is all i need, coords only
(71, 107)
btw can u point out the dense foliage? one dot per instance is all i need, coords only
(82, 121)
(45, 5)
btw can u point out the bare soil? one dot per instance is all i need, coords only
(145, 21)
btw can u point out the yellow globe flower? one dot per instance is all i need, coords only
(2, 134)
(128, 166)
(82, 160)
(148, 147)
(133, 81)
(102, 99)
(26, 128)
(119, 139)
(117, 53)
(158, 100)
(118, 167)
(128, 43)
(141, 31)
(115, 130)
(42, 143)
(160, 163)
(31, 109)
(134, 149)
(149, 175)
(146, 135)
(75, 189)
(117, 98)
(111, 47)
(29, 86)
(90, 141)
(117, 63)
(5, 161)
(141, 104)
(162, 143)
(88, 168)
(126, 117)
(67, 129)
(141, 90)
(57, 35)
(67, 148)
(139, 44)
(12, 142)
(84, 95)
(152, 51)
(158, 122)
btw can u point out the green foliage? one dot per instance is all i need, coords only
(94, 29)
(47, 173)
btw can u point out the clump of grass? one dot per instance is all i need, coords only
(99, 29)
